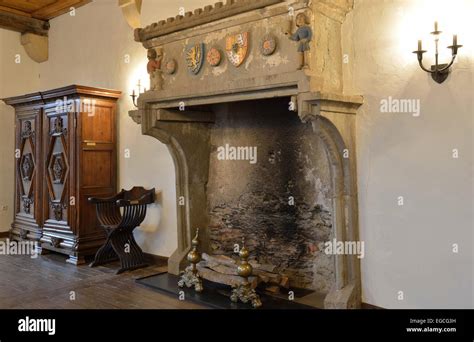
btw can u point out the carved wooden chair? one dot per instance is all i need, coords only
(119, 216)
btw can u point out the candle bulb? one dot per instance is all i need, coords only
(436, 26)
(419, 45)
(455, 40)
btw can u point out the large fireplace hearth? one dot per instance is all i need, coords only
(248, 97)
(281, 204)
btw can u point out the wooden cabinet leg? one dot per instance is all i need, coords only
(76, 260)
(41, 251)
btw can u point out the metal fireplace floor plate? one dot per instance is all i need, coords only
(215, 296)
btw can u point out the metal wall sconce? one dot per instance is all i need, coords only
(134, 95)
(439, 72)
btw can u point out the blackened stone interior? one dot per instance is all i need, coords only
(254, 200)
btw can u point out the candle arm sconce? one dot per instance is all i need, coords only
(134, 96)
(439, 72)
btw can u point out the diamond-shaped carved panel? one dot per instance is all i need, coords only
(58, 168)
(27, 166)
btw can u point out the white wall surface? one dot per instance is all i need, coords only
(15, 79)
(409, 247)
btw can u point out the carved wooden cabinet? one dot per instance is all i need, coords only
(65, 153)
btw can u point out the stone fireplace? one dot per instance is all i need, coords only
(262, 76)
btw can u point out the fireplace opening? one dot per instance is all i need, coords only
(269, 182)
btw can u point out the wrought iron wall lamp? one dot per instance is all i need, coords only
(439, 72)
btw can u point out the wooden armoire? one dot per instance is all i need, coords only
(65, 149)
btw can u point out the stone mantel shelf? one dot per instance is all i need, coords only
(309, 105)
(245, 88)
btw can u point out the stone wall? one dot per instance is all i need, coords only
(255, 200)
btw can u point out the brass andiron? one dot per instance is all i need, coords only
(190, 277)
(244, 291)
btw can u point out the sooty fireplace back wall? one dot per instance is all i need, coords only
(227, 74)
(280, 202)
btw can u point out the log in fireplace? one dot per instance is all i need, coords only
(249, 98)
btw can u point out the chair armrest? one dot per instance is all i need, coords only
(145, 199)
(110, 199)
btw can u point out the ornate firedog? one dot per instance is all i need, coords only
(244, 291)
(190, 277)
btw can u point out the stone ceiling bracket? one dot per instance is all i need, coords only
(131, 10)
(36, 46)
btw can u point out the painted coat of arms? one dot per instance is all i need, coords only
(195, 57)
(237, 47)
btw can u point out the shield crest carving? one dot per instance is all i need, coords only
(237, 47)
(195, 57)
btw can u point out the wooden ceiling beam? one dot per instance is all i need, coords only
(25, 5)
(19, 23)
(57, 8)
(14, 11)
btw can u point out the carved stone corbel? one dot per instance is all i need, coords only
(131, 10)
(311, 104)
(36, 46)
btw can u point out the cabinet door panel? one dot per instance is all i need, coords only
(97, 168)
(57, 132)
(98, 126)
(28, 174)
(27, 165)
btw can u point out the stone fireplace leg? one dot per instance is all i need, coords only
(333, 120)
(187, 136)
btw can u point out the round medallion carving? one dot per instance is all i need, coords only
(214, 57)
(268, 45)
(170, 66)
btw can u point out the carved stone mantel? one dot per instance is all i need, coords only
(180, 113)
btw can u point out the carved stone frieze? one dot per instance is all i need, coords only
(194, 57)
(236, 47)
(268, 45)
(155, 57)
